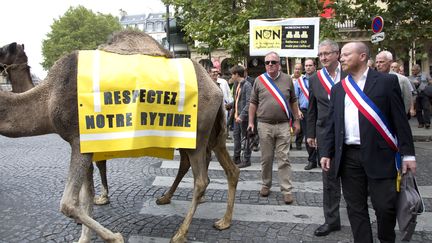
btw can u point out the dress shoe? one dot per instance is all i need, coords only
(325, 229)
(420, 125)
(237, 160)
(243, 164)
(288, 198)
(298, 147)
(265, 191)
(427, 126)
(310, 165)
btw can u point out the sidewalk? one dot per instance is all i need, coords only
(420, 134)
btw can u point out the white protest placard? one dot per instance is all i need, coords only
(294, 37)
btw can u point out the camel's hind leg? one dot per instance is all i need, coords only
(103, 197)
(70, 204)
(199, 170)
(183, 169)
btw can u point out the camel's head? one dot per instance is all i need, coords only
(12, 54)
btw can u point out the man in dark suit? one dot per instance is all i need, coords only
(319, 92)
(363, 158)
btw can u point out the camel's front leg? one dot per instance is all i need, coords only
(70, 205)
(103, 197)
(232, 172)
(199, 168)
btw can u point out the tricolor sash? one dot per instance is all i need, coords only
(304, 87)
(326, 80)
(373, 114)
(268, 82)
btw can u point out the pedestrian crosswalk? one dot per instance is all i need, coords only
(253, 212)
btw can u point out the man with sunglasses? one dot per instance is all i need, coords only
(274, 103)
(320, 85)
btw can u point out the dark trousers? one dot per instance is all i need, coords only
(356, 185)
(331, 198)
(312, 152)
(423, 108)
(239, 134)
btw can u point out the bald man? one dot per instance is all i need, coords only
(384, 61)
(363, 158)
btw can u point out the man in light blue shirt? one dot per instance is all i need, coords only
(301, 88)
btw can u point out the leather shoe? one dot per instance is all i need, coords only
(310, 165)
(325, 229)
(243, 164)
(420, 125)
(288, 198)
(237, 160)
(265, 191)
(427, 126)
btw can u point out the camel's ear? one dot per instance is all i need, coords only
(12, 47)
(22, 46)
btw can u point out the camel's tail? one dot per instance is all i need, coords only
(219, 131)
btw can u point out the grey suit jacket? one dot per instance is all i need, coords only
(318, 109)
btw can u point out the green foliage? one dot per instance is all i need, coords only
(78, 29)
(225, 23)
(405, 22)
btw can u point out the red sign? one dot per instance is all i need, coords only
(377, 24)
(327, 12)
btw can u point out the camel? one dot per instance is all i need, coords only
(13, 65)
(51, 107)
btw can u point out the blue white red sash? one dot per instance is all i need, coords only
(372, 113)
(267, 81)
(304, 87)
(325, 79)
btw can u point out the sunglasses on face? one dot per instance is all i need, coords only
(271, 62)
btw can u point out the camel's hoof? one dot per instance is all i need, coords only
(118, 238)
(222, 224)
(178, 238)
(163, 200)
(101, 200)
(202, 200)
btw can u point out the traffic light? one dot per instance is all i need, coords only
(175, 36)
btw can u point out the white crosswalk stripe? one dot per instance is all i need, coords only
(214, 165)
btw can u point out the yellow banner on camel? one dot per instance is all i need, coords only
(135, 105)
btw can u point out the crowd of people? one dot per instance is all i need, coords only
(352, 117)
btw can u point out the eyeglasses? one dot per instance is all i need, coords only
(325, 54)
(271, 62)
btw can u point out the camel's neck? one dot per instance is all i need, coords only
(24, 114)
(20, 78)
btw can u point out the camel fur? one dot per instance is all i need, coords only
(51, 107)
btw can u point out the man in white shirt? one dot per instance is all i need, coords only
(364, 153)
(223, 84)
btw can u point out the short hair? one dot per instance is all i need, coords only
(239, 70)
(333, 44)
(416, 66)
(363, 48)
(311, 59)
(388, 55)
(272, 53)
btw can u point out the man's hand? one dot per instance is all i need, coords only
(250, 128)
(312, 142)
(325, 163)
(296, 126)
(300, 115)
(412, 112)
(238, 120)
(409, 165)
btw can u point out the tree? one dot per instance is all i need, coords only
(78, 29)
(407, 24)
(224, 23)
